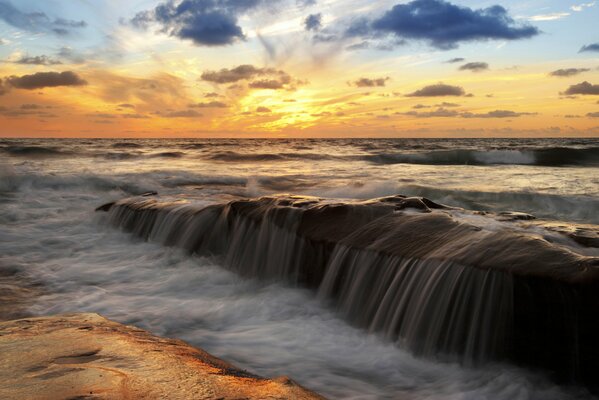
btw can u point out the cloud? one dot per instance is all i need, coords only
(236, 74)
(439, 89)
(443, 112)
(126, 105)
(439, 112)
(159, 92)
(269, 83)
(210, 104)
(580, 7)
(568, 72)
(305, 3)
(273, 78)
(69, 54)
(455, 60)
(37, 60)
(263, 109)
(497, 114)
(589, 47)
(36, 21)
(182, 114)
(446, 104)
(313, 22)
(443, 24)
(584, 88)
(204, 22)
(475, 67)
(2, 42)
(45, 79)
(367, 82)
(549, 17)
(593, 115)
(135, 116)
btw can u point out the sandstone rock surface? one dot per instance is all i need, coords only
(86, 356)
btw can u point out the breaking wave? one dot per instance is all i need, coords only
(549, 157)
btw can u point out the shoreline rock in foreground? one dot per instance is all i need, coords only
(86, 356)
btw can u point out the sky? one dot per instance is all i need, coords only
(299, 68)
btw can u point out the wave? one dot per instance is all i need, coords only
(127, 145)
(549, 157)
(34, 151)
(168, 154)
(233, 156)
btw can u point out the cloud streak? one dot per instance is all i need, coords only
(561, 73)
(475, 67)
(37, 21)
(368, 82)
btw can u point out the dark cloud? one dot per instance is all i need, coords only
(30, 106)
(305, 3)
(313, 22)
(126, 105)
(439, 112)
(444, 112)
(210, 104)
(442, 24)
(439, 89)
(135, 116)
(419, 106)
(589, 47)
(367, 82)
(204, 22)
(45, 79)
(475, 67)
(568, 72)
(236, 74)
(263, 109)
(182, 114)
(273, 79)
(37, 60)
(585, 88)
(267, 84)
(593, 115)
(497, 114)
(446, 104)
(36, 21)
(455, 60)
(211, 94)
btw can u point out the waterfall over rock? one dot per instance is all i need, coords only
(444, 283)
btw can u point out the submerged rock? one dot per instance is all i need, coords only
(86, 356)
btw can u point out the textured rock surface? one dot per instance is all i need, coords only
(86, 356)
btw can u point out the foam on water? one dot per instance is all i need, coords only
(50, 234)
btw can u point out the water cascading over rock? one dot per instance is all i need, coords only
(444, 283)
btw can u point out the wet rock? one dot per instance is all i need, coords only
(85, 356)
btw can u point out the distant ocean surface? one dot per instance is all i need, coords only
(53, 242)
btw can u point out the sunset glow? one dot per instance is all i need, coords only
(316, 69)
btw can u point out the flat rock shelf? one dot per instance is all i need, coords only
(86, 356)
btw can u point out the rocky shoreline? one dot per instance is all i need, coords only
(86, 356)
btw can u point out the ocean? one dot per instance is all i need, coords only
(58, 255)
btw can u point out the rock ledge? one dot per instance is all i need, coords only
(86, 356)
